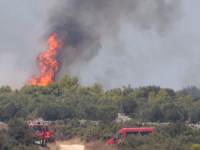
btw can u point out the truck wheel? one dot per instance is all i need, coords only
(44, 143)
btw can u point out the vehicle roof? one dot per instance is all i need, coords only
(136, 129)
(34, 124)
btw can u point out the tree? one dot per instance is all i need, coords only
(152, 96)
(97, 88)
(5, 89)
(128, 105)
(162, 94)
(21, 132)
(24, 147)
(67, 82)
(10, 111)
(191, 90)
(114, 94)
(156, 114)
(194, 114)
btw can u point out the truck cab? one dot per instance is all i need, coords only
(44, 132)
(123, 133)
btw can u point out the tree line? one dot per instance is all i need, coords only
(68, 102)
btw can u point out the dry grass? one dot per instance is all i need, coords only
(95, 145)
(3, 127)
(72, 141)
(98, 145)
(50, 146)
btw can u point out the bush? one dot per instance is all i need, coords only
(156, 114)
(24, 147)
(98, 145)
(21, 132)
(195, 147)
(128, 106)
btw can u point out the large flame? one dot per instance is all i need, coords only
(48, 65)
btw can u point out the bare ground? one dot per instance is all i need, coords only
(3, 127)
(73, 144)
(77, 144)
(72, 147)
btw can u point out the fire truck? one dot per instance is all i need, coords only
(44, 132)
(123, 133)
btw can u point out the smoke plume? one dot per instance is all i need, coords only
(85, 23)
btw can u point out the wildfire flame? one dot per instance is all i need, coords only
(48, 65)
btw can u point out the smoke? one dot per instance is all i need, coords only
(84, 24)
(112, 42)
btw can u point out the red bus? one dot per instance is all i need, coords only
(123, 133)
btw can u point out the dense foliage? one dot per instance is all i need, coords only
(69, 102)
(18, 137)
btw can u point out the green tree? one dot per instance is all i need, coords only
(24, 147)
(21, 132)
(5, 89)
(10, 111)
(97, 88)
(157, 114)
(114, 94)
(6, 141)
(67, 82)
(194, 114)
(128, 105)
(152, 96)
(162, 94)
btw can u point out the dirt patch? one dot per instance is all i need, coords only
(50, 146)
(3, 127)
(73, 141)
(98, 145)
(73, 144)
(72, 147)
(77, 144)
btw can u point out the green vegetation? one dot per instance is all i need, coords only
(18, 137)
(69, 102)
(195, 147)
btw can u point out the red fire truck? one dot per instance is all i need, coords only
(123, 133)
(44, 132)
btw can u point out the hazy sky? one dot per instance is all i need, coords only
(141, 57)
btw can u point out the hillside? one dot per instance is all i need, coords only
(66, 102)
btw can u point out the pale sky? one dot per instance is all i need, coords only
(143, 57)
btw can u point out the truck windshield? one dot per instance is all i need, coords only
(37, 129)
(119, 136)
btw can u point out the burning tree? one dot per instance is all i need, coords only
(48, 65)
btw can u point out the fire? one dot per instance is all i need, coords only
(48, 65)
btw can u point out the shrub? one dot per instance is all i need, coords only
(98, 145)
(195, 147)
(128, 106)
(21, 132)
(24, 147)
(156, 114)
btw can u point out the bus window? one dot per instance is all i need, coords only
(131, 133)
(145, 132)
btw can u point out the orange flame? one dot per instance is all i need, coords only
(48, 65)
